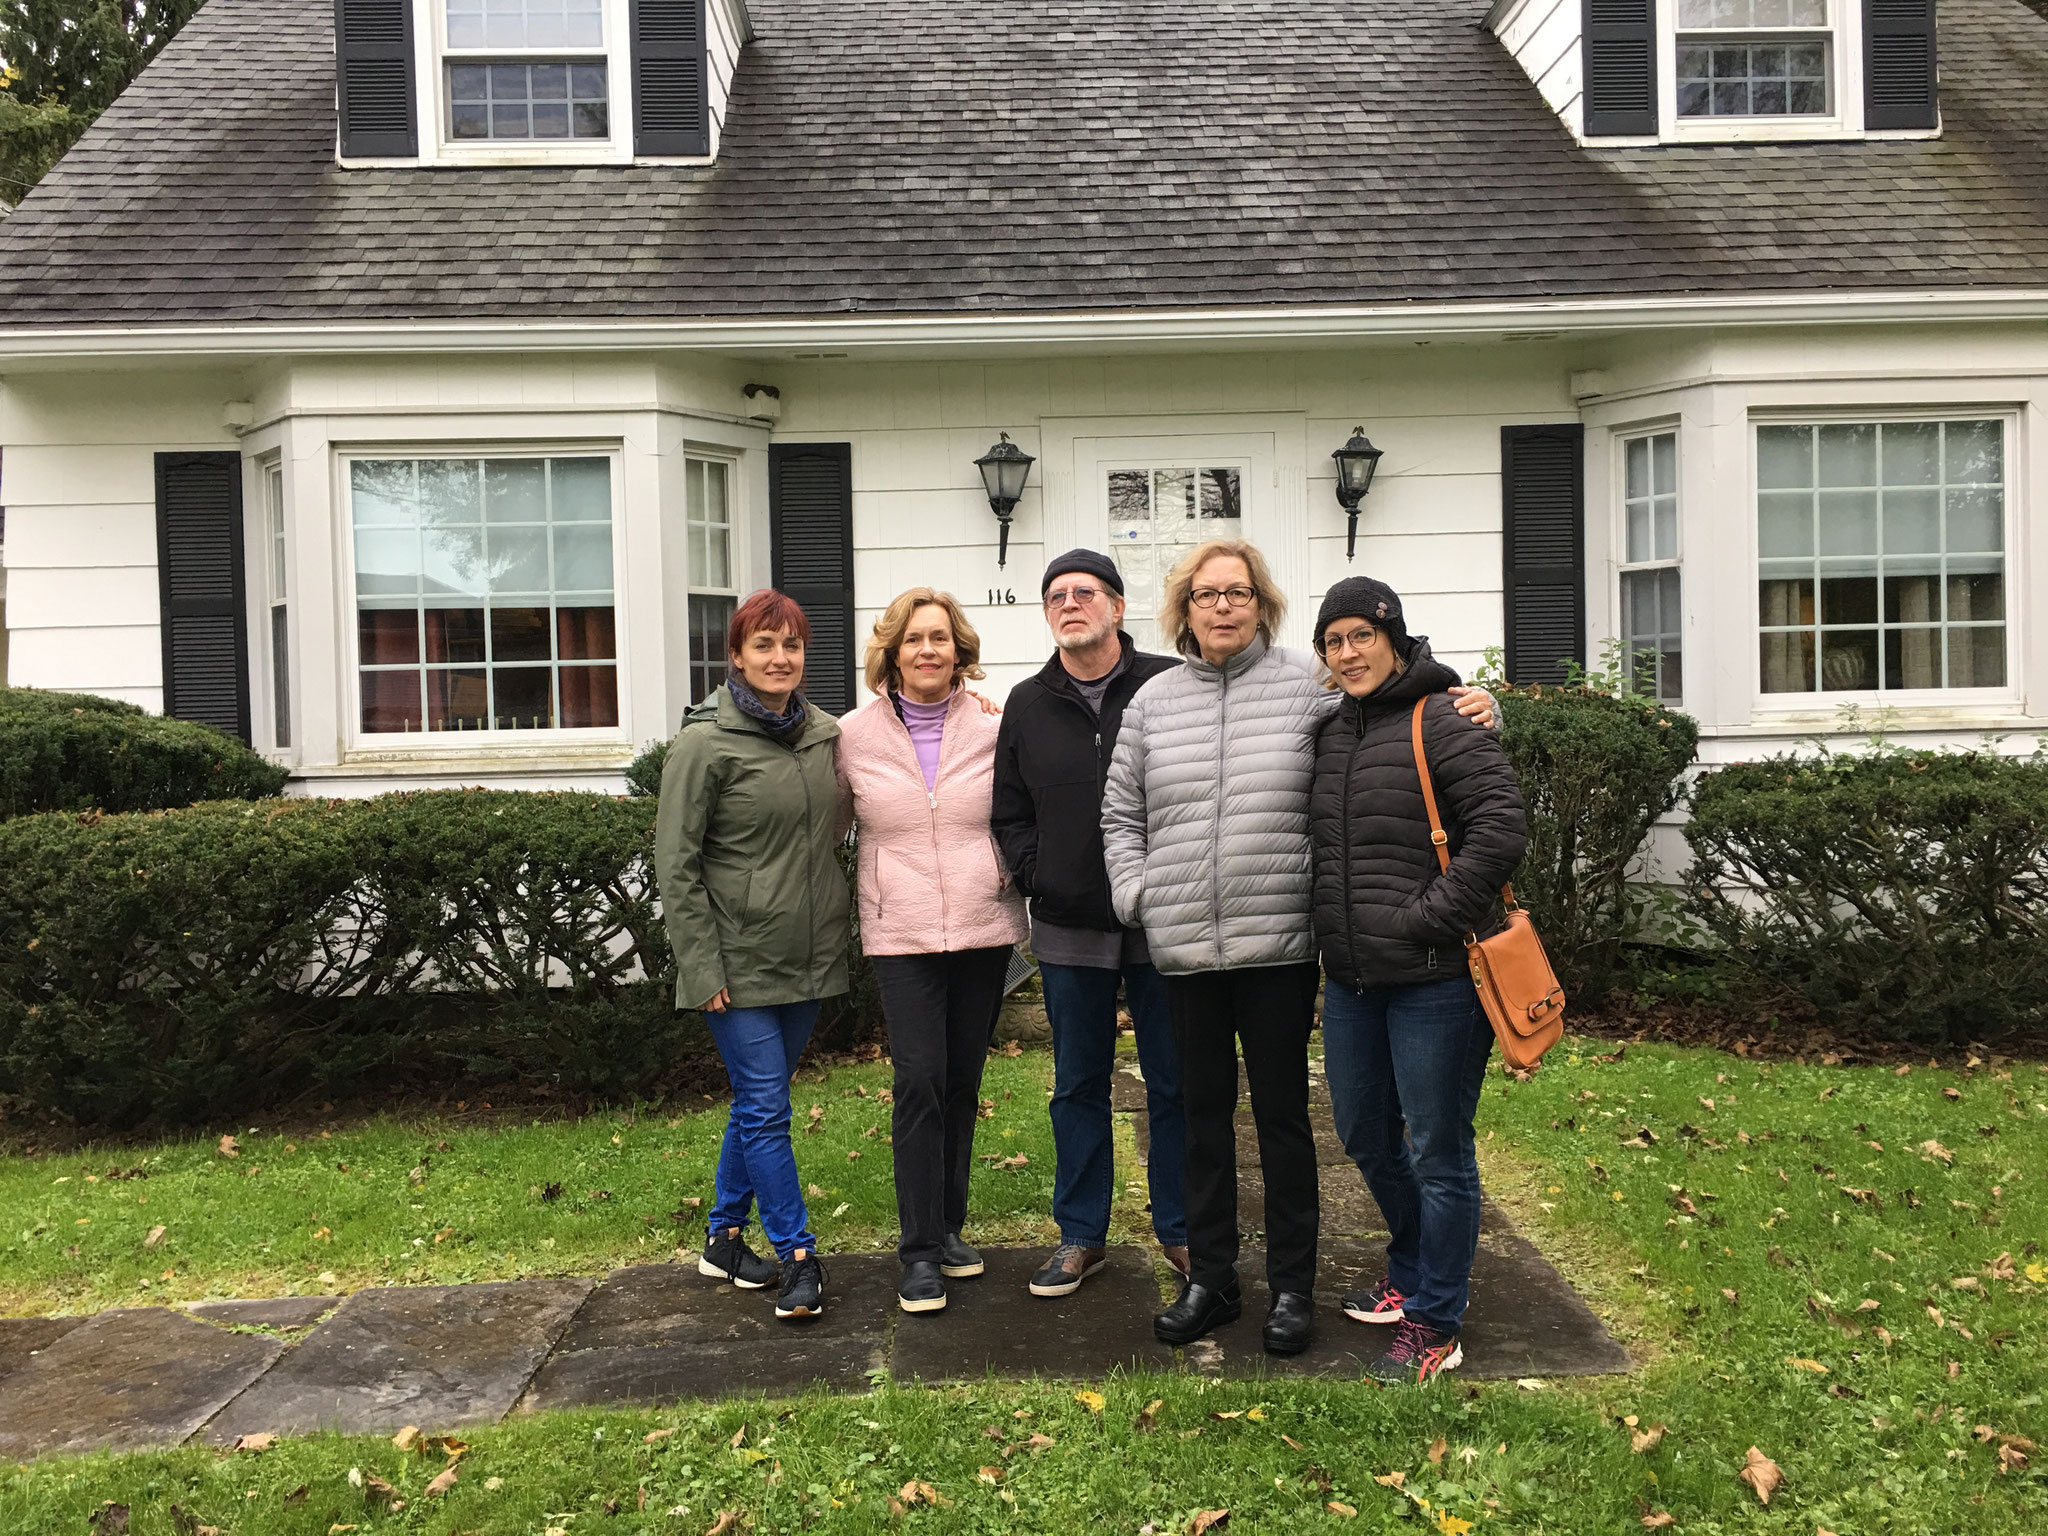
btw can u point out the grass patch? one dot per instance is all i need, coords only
(1809, 1192)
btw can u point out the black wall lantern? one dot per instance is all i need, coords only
(1004, 469)
(1357, 462)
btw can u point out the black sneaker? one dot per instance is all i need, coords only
(1376, 1304)
(803, 1286)
(922, 1288)
(1064, 1270)
(727, 1257)
(1417, 1355)
(957, 1261)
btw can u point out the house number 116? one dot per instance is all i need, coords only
(1002, 597)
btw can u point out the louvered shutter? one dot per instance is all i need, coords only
(1543, 488)
(1898, 64)
(1618, 67)
(671, 81)
(810, 519)
(199, 585)
(373, 88)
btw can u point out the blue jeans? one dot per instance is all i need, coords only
(1413, 1059)
(757, 1164)
(1080, 1001)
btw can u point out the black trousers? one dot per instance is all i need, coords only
(1270, 1009)
(941, 1012)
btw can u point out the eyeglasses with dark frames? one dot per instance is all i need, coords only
(1081, 597)
(1234, 597)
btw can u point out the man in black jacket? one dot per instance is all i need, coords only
(1052, 753)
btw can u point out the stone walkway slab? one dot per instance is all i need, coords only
(993, 1324)
(23, 1338)
(285, 1312)
(659, 1333)
(442, 1357)
(124, 1380)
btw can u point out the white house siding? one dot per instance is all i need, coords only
(1543, 36)
(78, 451)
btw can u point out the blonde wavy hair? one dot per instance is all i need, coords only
(1173, 607)
(883, 675)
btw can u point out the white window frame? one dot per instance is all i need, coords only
(276, 602)
(1897, 701)
(438, 145)
(384, 743)
(697, 586)
(1845, 26)
(1625, 567)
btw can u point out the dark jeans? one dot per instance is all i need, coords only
(757, 1164)
(1080, 1001)
(1413, 1059)
(1270, 1009)
(941, 1012)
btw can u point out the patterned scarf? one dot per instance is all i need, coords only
(787, 727)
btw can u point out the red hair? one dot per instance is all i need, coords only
(776, 612)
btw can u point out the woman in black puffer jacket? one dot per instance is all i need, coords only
(1405, 1040)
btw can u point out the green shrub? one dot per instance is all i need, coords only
(75, 752)
(1598, 770)
(1901, 891)
(643, 774)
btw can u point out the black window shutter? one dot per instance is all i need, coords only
(373, 84)
(199, 583)
(1543, 489)
(1618, 66)
(671, 82)
(1898, 64)
(810, 525)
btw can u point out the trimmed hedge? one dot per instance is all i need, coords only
(76, 752)
(1906, 892)
(1598, 770)
(176, 965)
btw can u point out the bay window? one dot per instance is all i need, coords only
(1652, 625)
(1882, 556)
(484, 594)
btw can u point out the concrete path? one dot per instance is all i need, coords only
(448, 1357)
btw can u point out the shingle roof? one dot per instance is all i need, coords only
(946, 156)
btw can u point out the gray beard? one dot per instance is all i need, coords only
(1083, 642)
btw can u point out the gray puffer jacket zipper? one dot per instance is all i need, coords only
(1205, 813)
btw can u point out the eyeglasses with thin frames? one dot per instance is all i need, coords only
(1081, 597)
(1357, 640)
(1234, 597)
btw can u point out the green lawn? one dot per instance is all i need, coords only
(1848, 1352)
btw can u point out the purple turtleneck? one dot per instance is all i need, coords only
(927, 726)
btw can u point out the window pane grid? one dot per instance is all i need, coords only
(525, 23)
(1157, 514)
(1651, 617)
(529, 101)
(707, 498)
(1750, 15)
(1753, 78)
(484, 594)
(1882, 557)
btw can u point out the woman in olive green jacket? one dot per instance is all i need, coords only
(757, 913)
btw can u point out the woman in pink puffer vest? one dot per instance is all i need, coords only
(937, 912)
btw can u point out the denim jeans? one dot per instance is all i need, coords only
(1405, 1067)
(1080, 1002)
(757, 1164)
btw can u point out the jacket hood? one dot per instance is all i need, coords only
(1424, 675)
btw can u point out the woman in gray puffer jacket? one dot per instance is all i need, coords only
(1206, 837)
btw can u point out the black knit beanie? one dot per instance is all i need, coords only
(1089, 563)
(1360, 597)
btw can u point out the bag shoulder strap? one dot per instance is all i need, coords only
(1436, 824)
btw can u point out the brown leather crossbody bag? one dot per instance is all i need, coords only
(1517, 987)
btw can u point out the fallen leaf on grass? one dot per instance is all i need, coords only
(2001, 1268)
(1529, 1384)
(1342, 1511)
(1256, 1415)
(1039, 1442)
(377, 1491)
(1292, 1444)
(1642, 1440)
(229, 1147)
(1391, 1479)
(297, 1496)
(2038, 1273)
(739, 1437)
(727, 1519)
(817, 1114)
(1932, 1150)
(1953, 1095)
(1092, 1401)
(1762, 1474)
(914, 1492)
(1436, 1452)
(255, 1442)
(655, 1436)
(1147, 1421)
(156, 1235)
(406, 1437)
(2011, 1459)
(1208, 1520)
(1657, 1520)
(1801, 1363)
(110, 1520)
(1235, 1413)
(990, 1475)
(441, 1484)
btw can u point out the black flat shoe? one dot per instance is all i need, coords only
(922, 1288)
(1289, 1324)
(957, 1261)
(1198, 1310)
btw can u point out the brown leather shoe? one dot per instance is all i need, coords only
(1178, 1258)
(1068, 1265)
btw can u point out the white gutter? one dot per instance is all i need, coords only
(1037, 330)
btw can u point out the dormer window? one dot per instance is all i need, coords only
(526, 69)
(1754, 58)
